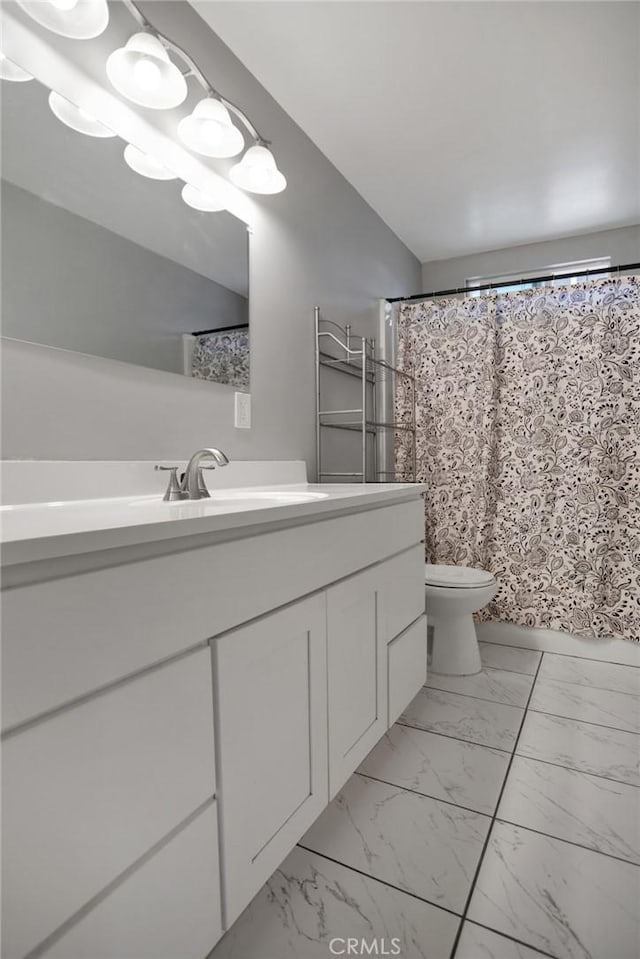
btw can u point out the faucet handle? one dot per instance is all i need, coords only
(174, 492)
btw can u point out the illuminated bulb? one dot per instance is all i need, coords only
(146, 165)
(79, 19)
(143, 73)
(209, 202)
(209, 130)
(147, 74)
(75, 118)
(212, 132)
(11, 71)
(257, 172)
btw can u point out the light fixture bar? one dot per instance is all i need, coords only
(194, 70)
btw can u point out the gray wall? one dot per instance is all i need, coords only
(623, 246)
(317, 243)
(98, 293)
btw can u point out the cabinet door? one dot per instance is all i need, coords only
(357, 669)
(271, 731)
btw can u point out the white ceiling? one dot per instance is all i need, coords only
(468, 126)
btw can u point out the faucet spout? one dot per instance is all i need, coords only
(192, 481)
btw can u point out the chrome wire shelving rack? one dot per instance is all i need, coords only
(340, 350)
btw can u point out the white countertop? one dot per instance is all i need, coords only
(38, 531)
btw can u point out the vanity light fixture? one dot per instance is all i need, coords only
(78, 19)
(80, 121)
(257, 172)
(11, 71)
(208, 130)
(143, 73)
(205, 202)
(146, 165)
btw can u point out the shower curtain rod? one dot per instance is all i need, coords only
(529, 279)
(221, 329)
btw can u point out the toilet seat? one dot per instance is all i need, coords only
(456, 577)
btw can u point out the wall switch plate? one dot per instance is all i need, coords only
(242, 411)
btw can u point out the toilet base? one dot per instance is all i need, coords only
(455, 646)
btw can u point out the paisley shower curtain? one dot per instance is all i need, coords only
(528, 417)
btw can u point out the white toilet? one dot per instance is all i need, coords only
(453, 594)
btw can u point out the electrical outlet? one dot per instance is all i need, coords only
(242, 411)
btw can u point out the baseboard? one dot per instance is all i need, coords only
(554, 641)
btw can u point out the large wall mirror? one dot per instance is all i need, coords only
(100, 260)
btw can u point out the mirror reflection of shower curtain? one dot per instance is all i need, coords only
(222, 356)
(528, 420)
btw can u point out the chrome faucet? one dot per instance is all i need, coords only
(191, 484)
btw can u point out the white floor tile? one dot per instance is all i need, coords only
(591, 749)
(588, 704)
(494, 685)
(440, 767)
(474, 720)
(510, 657)
(309, 901)
(479, 943)
(420, 845)
(559, 898)
(588, 672)
(567, 804)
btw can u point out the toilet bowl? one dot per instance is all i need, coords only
(453, 594)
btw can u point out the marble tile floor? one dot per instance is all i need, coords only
(498, 819)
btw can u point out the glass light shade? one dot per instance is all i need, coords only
(78, 19)
(205, 202)
(146, 165)
(11, 71)
(143, 73)
(208, 130)
(257, 172)
(68, 113)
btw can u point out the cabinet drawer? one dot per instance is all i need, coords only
(402, 590)
(271, 696)
(93, 788)
(168, 907)
(407, 667)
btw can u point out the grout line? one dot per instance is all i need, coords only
(544, 712)
(574, 769)
(503, 669)
(493, 818)
(482, 699)
(416, 792)
(604, 689)
(505, 935)
(570, 842)
(383, 882)
(458, 739)
(550, 652)
(555, 680)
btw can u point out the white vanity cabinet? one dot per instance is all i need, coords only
(271, 721)
(178, 715)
